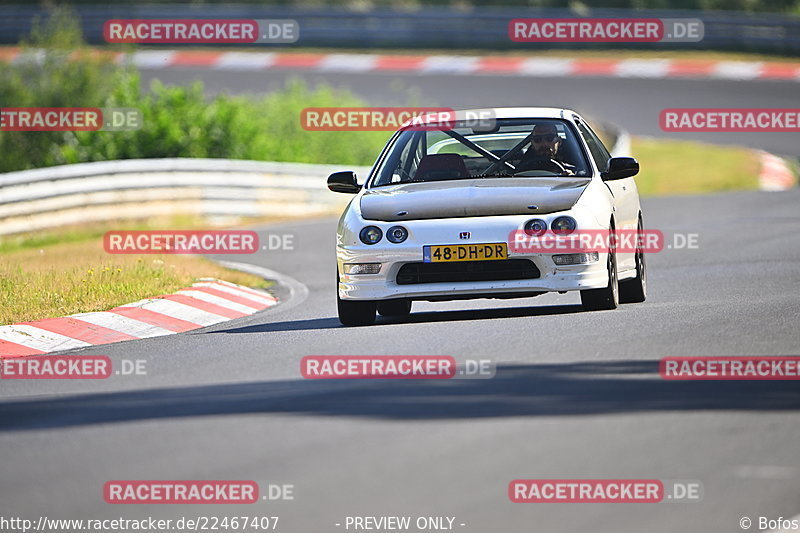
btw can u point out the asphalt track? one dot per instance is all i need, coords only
(577, 394)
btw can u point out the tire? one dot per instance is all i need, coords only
(355, 312)
(606, 298)
(632, 291)
(398, 307)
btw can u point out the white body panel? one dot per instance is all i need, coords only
(595, 208)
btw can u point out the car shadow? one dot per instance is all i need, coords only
(482, 314)
(568, 389)
(286, 325)
(413, 318)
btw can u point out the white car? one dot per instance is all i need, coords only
(434, 219)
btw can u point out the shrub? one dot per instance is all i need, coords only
(57, 70)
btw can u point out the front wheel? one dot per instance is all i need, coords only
(355, 312)
(607, 297)
(634, 290)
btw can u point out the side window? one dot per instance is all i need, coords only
(598, 151)
(408, 157)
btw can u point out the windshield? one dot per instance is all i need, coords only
(513, 147)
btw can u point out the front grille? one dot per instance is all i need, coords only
(503, 270)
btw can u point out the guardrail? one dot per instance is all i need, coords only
(44, 198)
(482, 27)
(32, 200)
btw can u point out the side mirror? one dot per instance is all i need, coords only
(343, 182)
(619, 168)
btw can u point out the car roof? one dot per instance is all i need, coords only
(501, 112)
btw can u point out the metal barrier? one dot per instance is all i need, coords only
(479, 28)
(33, 200)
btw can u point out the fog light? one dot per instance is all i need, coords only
(362, 268)
(576, 259)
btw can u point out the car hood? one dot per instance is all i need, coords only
(470, 198)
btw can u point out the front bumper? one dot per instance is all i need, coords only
(480, 230)
(383, 285)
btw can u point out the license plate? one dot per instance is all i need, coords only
(443, 253)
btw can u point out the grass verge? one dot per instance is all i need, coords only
(686, 167)
(64, 272)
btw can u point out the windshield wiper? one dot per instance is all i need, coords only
(551, 175)
(494, 175)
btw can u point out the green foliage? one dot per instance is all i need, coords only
(65, 75)
(177, 121)
(182, 122)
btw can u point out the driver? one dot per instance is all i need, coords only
(543, 151)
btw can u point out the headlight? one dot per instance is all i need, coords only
(397, 234)
(563, 225)
(535, 226)
(370, 235)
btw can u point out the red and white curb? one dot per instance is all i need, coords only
(775, 174)
(456, 64)
(207, 302)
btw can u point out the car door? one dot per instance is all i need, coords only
(626, 197)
